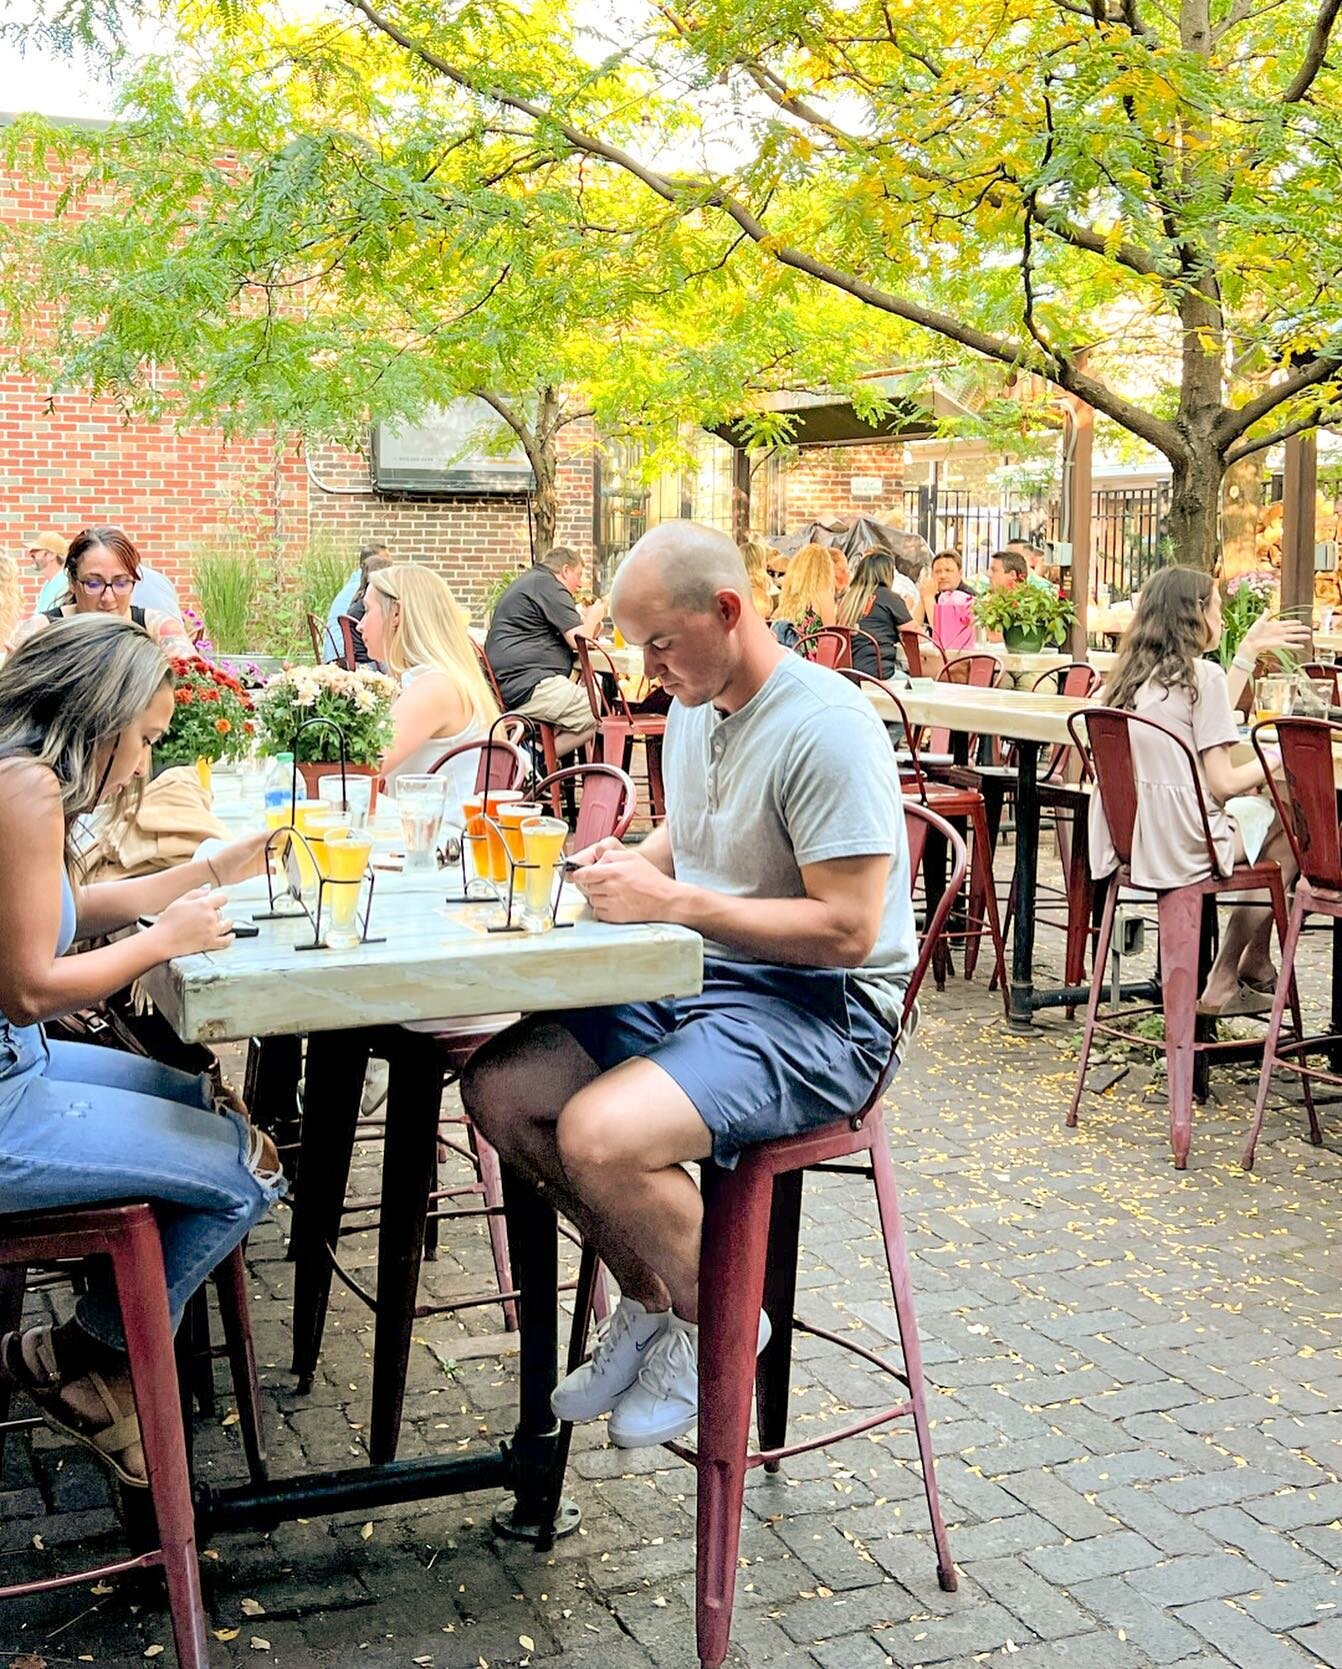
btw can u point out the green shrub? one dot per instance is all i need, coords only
(227, 583)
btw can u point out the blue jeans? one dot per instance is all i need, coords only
(80, 1125)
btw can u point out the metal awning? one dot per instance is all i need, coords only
(826, 418)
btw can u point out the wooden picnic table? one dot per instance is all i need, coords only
(437, 961)
(1031, 721)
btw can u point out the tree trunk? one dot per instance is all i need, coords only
(544, 456)
(1241, 499)
(1195, 504)
(544, 501)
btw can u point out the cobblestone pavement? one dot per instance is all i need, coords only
(1136, 1382)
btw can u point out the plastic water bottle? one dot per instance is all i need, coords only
(281, 791)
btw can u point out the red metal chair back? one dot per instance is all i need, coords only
(832, 646)
(488, 671)
(919, 821)
(323, 643)
(1108, 731)
(348, 656)
(593, 659)
(984, 672)
(607, 800)
(913, 644)
(1077, 679)
(502, 764)
(1308, 808)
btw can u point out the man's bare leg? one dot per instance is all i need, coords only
(515, 1090)
(623, 1139)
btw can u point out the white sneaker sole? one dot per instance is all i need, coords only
(670, 1430)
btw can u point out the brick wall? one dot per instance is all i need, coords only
(819, 485)
(70, 461)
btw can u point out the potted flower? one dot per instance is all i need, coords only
(1028, 616)
(211, 720)
(358, 704)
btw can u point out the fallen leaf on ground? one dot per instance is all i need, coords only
(227, 1633)
(253, 1608)
(367, 1532)
(258, 1644)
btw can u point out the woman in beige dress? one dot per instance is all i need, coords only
(1161, 674)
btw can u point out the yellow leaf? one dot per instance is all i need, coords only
(153, 1651)
(367, 1532)
(227, 1633)
(526, 1643)
(258, 1644)
(253, 1608)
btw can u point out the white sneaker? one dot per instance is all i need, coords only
(622, 1346)
(664, 1403)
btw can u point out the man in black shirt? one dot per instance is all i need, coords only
(530, 646)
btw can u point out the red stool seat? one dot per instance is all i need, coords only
(128, 1235)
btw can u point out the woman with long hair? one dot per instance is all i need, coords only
(102, 568)
(874, 609)
(1162, 673)
(755, 554)
(417, 629)
(81, 706)
(806, 600)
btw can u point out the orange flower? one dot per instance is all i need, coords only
(223, 726)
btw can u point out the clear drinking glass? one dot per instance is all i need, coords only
(1272, 698)
(355, 802)
(1313, 697)
(421, 802)
(543, 843)
(344, 860)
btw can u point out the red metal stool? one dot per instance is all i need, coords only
(1308, 813)
(128, 1235)
(1180, 912)
(751, 1227)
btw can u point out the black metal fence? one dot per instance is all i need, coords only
(1128, 536)
(1128, 528)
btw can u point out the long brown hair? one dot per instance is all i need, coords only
(1167, 637)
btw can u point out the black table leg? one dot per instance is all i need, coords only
(332, 1090)
(270, 1089)
(409, 1174)
(1026, 883)
(536, 1454)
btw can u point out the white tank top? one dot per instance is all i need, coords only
(460, 773)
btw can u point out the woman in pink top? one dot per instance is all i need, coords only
(1161, 674)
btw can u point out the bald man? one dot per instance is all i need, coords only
(784, 847)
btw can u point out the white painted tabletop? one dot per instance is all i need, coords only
(437, 962)
(1017, 715)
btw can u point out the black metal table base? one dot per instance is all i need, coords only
(531, 1464)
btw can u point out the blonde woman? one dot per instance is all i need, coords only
(755, 554)
(415, 626)
(11, 598)
(806, 600)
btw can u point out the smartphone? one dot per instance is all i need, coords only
(241, 929)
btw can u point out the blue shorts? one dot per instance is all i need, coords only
(762, 1051)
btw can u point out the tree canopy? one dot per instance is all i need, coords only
(1130, 199)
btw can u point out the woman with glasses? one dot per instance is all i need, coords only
(101, 570)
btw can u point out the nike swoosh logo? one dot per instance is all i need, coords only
(640, 1348)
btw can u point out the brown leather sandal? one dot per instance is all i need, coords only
(30, 1362)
